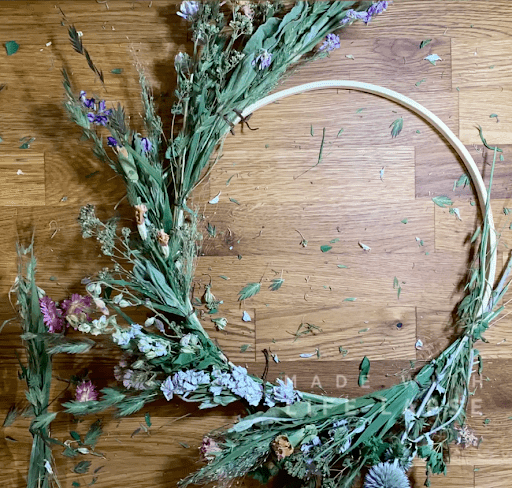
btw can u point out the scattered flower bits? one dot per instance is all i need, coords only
(432, 59)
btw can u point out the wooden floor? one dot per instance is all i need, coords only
(263, 208)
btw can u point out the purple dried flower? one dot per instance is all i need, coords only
(366, 16)
(264, 59)
(332, 42)
(208, 449)
(77, 305)
(188, 10)
(91, 117)
(146, 144)
(112, 142)
(52, 316)
(86, 392)
(100, 119)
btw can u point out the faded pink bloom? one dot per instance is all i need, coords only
(86, 392)
(77, 309)
(52, 316)
(208, 448)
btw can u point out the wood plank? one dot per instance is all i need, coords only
(248, 228)
(479, 64)
(476, 106)
(374, 334)
(22, 178)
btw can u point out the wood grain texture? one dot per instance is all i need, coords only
(280, 191)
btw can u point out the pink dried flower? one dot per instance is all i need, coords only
(208, 448)
(86, 392)
(77, 309)
(52, 316)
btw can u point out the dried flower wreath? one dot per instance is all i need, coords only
(234, 65)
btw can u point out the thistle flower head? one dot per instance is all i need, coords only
(386, 475)
(52, 316)
(86, 392)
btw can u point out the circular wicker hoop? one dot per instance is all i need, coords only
(426, 114)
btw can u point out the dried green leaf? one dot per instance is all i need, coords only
(364, 370)
(425, 42)
(82, 467)
(507, 211)
(211, 230)
(117, 71)
(244, 347)
(249, 291)
(350, 299)
(359, 110)
(223, 277)
(276, 284)
(418, 83)
(325, 248)
(93, 434)
(462, 181)
(312, 132)
(349, 56)
(340, 132)
(396, 127)
(343, 352)
(341, 266)
(442, 201)
(234, 201)
(11, 47)
(404, 221)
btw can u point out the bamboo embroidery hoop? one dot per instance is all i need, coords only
(426, 114)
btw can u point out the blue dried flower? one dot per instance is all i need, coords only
(87, 102)
(167, 388)
(186, 382)
(332, 42)
(244, 386)
(386, 475)
(188, 10)
(112, 142)
(285, 393)
(264, 59)
(146, 144)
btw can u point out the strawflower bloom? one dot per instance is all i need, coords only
(188, 10)
(52, 316)
(332, 42)
(86, 392)
(263, 60)
(77, 305)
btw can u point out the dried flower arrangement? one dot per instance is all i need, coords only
(236, 62)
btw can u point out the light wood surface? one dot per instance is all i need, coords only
(342, 199)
